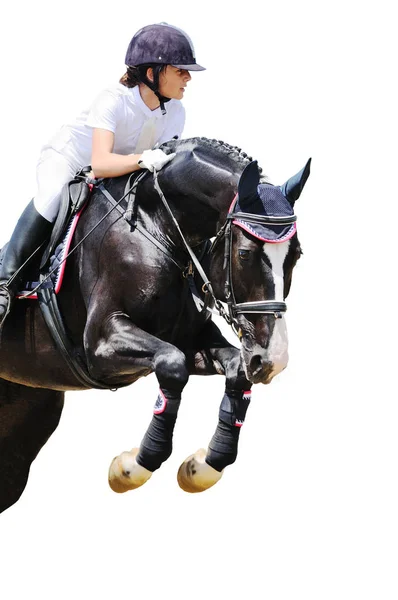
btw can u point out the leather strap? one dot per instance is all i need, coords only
(261, 306)
(262, 219)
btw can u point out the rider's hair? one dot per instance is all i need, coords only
(135, 75)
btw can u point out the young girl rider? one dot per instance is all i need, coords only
(115, 135)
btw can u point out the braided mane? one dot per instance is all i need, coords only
(234, 152)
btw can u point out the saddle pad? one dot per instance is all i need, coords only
(57, 263)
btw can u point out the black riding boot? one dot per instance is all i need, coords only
(31, 231)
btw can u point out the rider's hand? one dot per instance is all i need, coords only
(154, 159)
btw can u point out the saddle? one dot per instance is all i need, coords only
(74, 197)
(46, 271)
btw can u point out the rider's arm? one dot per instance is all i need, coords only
(104, 162)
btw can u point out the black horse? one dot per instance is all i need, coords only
(131, 306)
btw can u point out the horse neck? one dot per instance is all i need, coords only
(199, 202)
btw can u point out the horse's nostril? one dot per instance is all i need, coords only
(258, 364)
(255, 363)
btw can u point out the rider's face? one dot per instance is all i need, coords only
(173, 81)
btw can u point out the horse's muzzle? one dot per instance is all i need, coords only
(259, 369)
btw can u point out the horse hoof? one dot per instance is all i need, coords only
(126, 474)
(195, 475)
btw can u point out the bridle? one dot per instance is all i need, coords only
(271, 307)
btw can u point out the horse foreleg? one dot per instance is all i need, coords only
(130, 470)
(28, 416)
(123, 348)
(204, 468)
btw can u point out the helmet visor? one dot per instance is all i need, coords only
(193, 67)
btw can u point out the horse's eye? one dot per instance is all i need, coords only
(244, 254)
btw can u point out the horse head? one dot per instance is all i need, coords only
(252, 269)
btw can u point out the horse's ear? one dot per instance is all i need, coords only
(248, 182)
(294, 186)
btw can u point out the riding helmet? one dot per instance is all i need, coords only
(162, 44)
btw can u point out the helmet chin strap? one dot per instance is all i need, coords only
(162, 100)
(154, 86)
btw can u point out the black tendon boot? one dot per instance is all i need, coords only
(31, 231)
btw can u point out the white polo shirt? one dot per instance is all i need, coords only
(121, 110)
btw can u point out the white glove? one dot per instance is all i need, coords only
(154, 159)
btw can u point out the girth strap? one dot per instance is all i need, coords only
(75, 361)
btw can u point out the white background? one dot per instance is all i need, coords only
(310, 508)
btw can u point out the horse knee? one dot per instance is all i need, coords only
(171, 369)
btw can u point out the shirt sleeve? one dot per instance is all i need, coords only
(175, 126)
(104, 112)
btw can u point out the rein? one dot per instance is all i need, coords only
(206, 281)
(206, 287)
